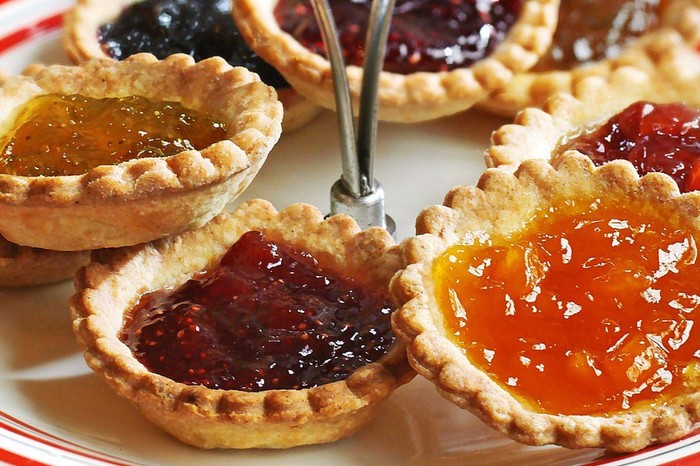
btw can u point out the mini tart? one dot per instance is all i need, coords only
(24, 266)
(536, 134)
(141, 199)
(503, 203)
(657, 52)
(81, 43)
(403, 98)
(113, 283)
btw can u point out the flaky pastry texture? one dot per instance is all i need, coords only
(668, 54)
(403, 98)
(25, 266)
(141, 199)
(113, 283)
(503, 203)
(81, 43)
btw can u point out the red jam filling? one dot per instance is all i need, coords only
(267, 317)
(588, 310)
(654, 137)
(592, 30)
(425, 35)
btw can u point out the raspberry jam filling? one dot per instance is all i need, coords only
(199, 28)
(654, 137)
(592, 30)
(56, 135)
(425, 35)
(267, 317)
(588, 310)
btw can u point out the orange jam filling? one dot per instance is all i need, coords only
(589, 310)
(56, 135)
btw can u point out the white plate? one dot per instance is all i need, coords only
(53, 410)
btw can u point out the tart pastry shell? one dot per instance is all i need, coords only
(667, 54)
(24, 266)
(536, 134)
(403, 98)
(503, 203)
(81, 43)
(114, 281)
(142, 199)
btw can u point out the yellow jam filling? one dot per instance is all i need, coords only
(588, 310)
(55, 135)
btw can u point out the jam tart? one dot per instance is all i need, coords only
(478, 55)
(592, 40)
(139, 199)
(531, 301)
(85, 37)
(605, 121)
(25, 266)
(202, 409)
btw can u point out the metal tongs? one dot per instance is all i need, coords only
(357, 193)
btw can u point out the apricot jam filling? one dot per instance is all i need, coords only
(653, 137)
(54, 135)
(425, 35)
(590, 309)
(592, 30)
(267, 317)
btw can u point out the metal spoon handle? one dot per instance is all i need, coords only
(375, 48)
(351, 167)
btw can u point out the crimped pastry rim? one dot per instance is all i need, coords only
(403, 98)
(655, 52)
(252, 128)
(502, 201)
(80, 43)
(537, 133)
(336, 241)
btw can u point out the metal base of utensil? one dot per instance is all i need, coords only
(368, 211)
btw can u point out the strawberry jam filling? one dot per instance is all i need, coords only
(267, 317)
(588, 310)
(654, 137)
(200, 28)
(592, 30)
(425, 35)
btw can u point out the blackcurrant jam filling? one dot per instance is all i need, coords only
(425, 35)
(199, 28)
(654, 137)
(267, 317)
(592, 30)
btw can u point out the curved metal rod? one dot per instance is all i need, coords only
(351, 167)
(375, 48)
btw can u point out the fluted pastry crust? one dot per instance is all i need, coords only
(25, 266)
(667, 53)
(403, 98)
(502, 203)
(81, 43)
(142, 199)
(114, 281)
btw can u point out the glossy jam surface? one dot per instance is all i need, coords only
(199, 28)
(55, 135)
(266, 318)
(590, 310)
(591, 30)
(425, 35)
(654, 137)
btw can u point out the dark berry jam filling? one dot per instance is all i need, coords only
(266, 318)
(654, 137)
(592, 30)
(425, 35)
(199, 28)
